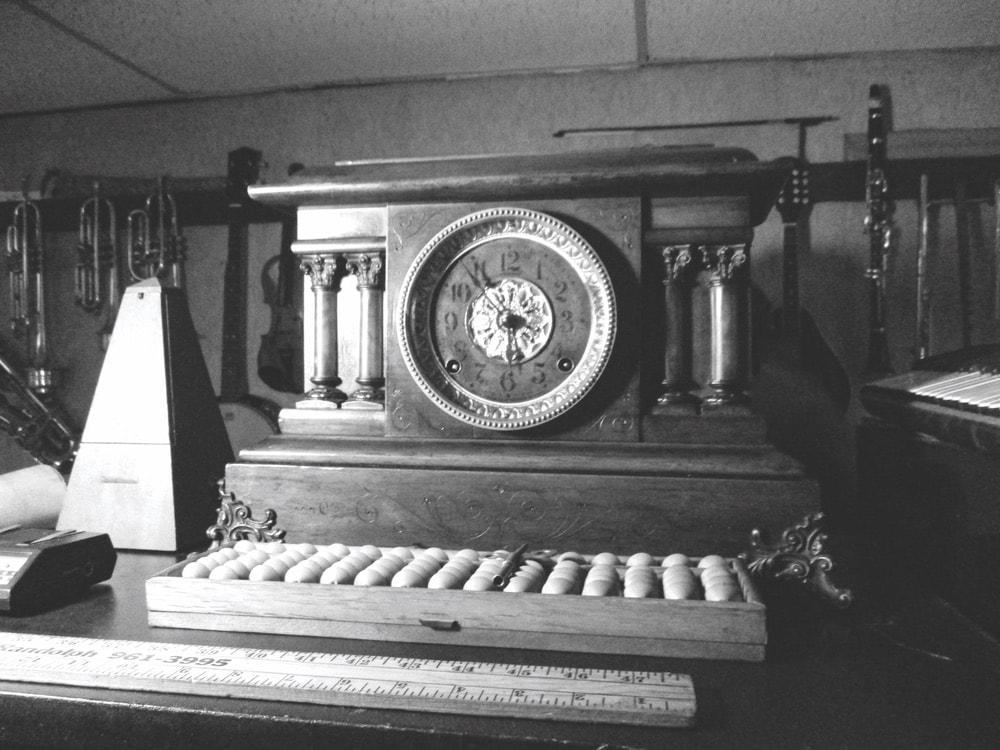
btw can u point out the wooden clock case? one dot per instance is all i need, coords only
(647, 459)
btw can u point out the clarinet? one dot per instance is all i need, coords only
(882, 234)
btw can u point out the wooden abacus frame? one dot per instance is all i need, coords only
(612, 625)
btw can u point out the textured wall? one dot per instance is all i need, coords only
(519, 113)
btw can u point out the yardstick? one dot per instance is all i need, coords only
(441, 686)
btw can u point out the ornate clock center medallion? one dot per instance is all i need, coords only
(510, 321)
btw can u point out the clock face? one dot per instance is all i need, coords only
(506, 318)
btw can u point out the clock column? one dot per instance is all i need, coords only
(325, 272)
(369, 268)
(677, 380)
(728, 321)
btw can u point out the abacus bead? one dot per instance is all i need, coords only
(605, 558)
(241, 570)
(676, 559)
(444, 579)
(244, 545)
(709, 561)
(573, 556)
(369, 577)
(196, 569)
(223, 573)
(265, 573)
(278, 565)
(340, 550)
(723, 593)
(479, 583)
(521, 584)
(336, 574)
(640, 582)
(257, 555)
(301, 573)
(218, 558)
(560, 582)
(679, 590)
(437, 553)
(600, 587)
(408, 578)
(292, 556)
(639, 559)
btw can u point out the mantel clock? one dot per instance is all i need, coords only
(550, 349)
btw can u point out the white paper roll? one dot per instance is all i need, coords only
(31, 497)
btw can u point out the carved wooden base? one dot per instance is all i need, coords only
(620, 498)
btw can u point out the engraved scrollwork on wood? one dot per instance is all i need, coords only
(235, 522)
(405, 225)
(801, 557)
(524, 514)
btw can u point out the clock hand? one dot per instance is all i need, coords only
(483, 288)
(514, 352)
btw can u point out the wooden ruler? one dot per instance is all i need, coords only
(610, 696)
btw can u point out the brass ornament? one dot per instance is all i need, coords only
(800, 558)
(235, 522)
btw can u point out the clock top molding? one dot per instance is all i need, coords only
(643, 171)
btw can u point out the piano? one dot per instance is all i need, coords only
(929, 477)
(953, 397)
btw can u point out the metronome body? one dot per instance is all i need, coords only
(154, 445)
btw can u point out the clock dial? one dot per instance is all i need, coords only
(507, 318)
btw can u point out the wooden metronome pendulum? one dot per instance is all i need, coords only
(155, 444)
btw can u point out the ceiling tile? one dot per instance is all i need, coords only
(41, 68)
(728, 29)
(214, 46)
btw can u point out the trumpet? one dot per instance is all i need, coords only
(97, 275)
(25, 257)
(156, 246)
(38, 428)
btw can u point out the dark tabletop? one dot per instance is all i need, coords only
(897, 669)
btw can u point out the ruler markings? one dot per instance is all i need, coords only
(443, 686)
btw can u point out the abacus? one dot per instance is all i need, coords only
(672, 605)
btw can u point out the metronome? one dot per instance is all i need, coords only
(155, 444)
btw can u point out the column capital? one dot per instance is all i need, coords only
(676, 259)
(324, 270)
(368, 268)
(724, 261)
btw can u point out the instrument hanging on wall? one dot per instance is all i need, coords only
(962, 252)
(156, 247)
(801, 346)
(36, 426)
(279, 360)
(923, 347)
(25, 258)
(97, 276)
(248, 418)
(882, 233)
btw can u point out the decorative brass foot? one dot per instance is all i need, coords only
(235, 523)
(801, 557)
